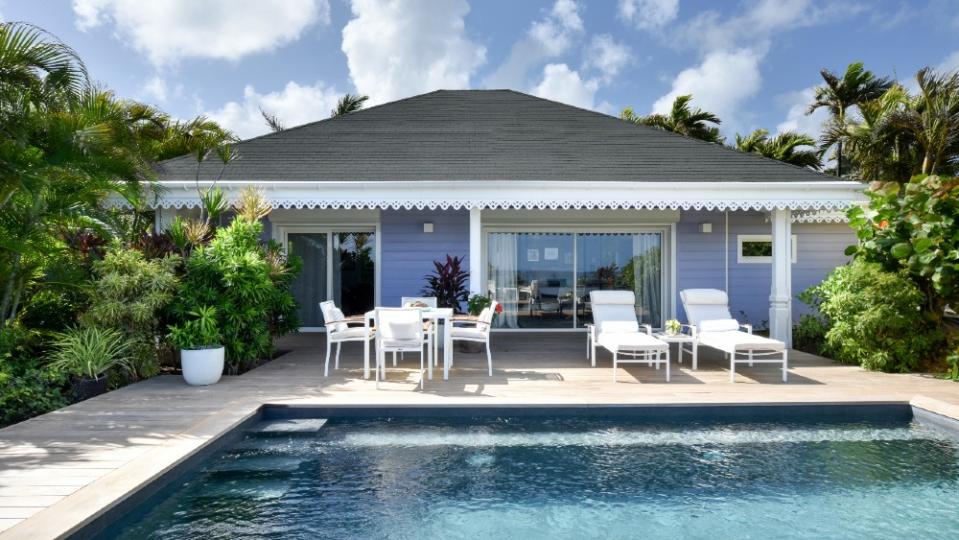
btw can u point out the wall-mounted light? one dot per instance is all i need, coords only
(428, 227)
(705, 228)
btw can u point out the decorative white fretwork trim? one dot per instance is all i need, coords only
(766, 196)
(823, 216)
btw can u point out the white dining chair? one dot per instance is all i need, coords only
(477, 330)
(429, 327)
(339, 331)
(399, 330)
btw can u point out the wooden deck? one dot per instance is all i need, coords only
(61, 469)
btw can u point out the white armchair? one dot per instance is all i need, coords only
(429, 327)
(477, 330)
(399, 330)
(339, 330)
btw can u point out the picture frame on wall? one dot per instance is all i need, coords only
(532, 255)
(550, 254)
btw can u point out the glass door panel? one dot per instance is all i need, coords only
(620, 261)
(309, 288)
(531, 274)
(354, 271)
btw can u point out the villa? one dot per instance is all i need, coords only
(545, 201)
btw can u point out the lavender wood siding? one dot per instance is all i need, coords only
(700, 262)
(407, 253)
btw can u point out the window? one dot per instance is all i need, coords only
(758, 248)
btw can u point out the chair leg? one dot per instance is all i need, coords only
(667, 365)
(489, 358)
(326, 368)
(422, 372)
(750, 358)
(732, 367)
(338, 347)
(394, 358)
(615, 364)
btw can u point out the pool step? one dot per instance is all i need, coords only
(293, 425)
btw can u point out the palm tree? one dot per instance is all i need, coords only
(785, 147)
(348, 103)
(682, 119)
(879, 148)
(856, 86)
(933, 119)
(272, 120)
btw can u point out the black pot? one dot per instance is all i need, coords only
(470, 347)
(86, 388)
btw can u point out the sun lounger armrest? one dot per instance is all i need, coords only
(748, 327)
(649, 329)
(692, 329)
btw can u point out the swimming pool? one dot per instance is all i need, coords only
(567, 477)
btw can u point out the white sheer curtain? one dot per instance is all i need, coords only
(647, 273)
(502, 277)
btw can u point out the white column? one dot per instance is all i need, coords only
(476, 251)
(780, 294)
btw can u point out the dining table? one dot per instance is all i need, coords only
(434, 315)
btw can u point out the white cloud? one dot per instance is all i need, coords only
(796, 117)
(951, 63)
(607, 56)
(293, 106)
(548, 37)
(156, 88)
(648, 14)
(720, 84)
(399, 48)
(171, 30)
(566, 86)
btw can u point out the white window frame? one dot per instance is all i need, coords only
(668, 277)
(746, 259)
(281, 233)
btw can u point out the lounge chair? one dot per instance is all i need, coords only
(477, 330)
(713, 326)
(616, 329)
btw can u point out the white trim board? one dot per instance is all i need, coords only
(500, 194)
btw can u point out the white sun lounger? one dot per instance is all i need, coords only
(713, 326)
(616, 329)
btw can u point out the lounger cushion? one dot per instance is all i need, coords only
(627, 341)
(627, 298)
(719, 325)
(739, 341)
(705, 305)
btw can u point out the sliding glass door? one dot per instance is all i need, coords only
(338, 266)
(543, 279)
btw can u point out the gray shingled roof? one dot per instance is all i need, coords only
(459, 135)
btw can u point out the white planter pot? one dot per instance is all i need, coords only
(202, 367)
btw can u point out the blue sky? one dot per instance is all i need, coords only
(752, 62)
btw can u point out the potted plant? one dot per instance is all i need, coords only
(87, 355)
(673, 327)
(201, 354)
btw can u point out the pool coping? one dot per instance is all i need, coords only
(87, 512)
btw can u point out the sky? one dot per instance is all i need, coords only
(752, 62)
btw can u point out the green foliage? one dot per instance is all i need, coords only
(874, 318)
(809, 334)
(129, 295)
(201, 332)
(30, 393)
(914, 228)
(448, 283)
(952, 361)
(682, 119)
(789, 147)
(248, 284)
(477, 303)
(90, 352)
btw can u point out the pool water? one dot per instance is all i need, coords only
(538, 478)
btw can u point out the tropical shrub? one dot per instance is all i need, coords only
(477, 303)
(448, 283)
(90, 352)
(248, 286)
(875, 318)
(129, 295)
(30, 393)
(912, 228)
(809, 334)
